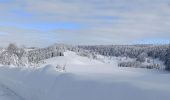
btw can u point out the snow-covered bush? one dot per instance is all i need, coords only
(129, 64)
(137, 64)
(152, 66)
(61, 67)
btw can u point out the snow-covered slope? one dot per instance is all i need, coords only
(84, 79)
(71, 58)
(7, 94)
(77, 64)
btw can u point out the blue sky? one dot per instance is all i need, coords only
(45, 22)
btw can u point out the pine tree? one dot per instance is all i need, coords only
(12, 48)
(141, 57)
(167, 58)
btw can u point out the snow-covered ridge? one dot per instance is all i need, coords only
(83, 79)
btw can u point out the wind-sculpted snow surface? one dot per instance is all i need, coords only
(92, 80)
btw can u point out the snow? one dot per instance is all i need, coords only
(7, 94)
(71, 58)
(84, 79)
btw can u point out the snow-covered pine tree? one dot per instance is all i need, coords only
(142, 57)
(13, 55)
(12, 48)
(167, 59)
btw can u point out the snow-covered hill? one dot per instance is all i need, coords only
(72, 58)
(75, 63)
(83, 79)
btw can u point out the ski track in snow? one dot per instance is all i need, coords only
(8, 94)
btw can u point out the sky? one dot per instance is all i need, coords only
(90, 22)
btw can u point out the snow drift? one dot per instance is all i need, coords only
(92, 80)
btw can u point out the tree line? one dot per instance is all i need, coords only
(13, 55)
(22, 56)
(139, 52)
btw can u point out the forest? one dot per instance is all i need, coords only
(141, 53)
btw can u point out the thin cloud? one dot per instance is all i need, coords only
(95, 21)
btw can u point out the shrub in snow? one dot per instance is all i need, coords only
(152, 66)
(129, 64)
(137, 64)
(61, 67)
